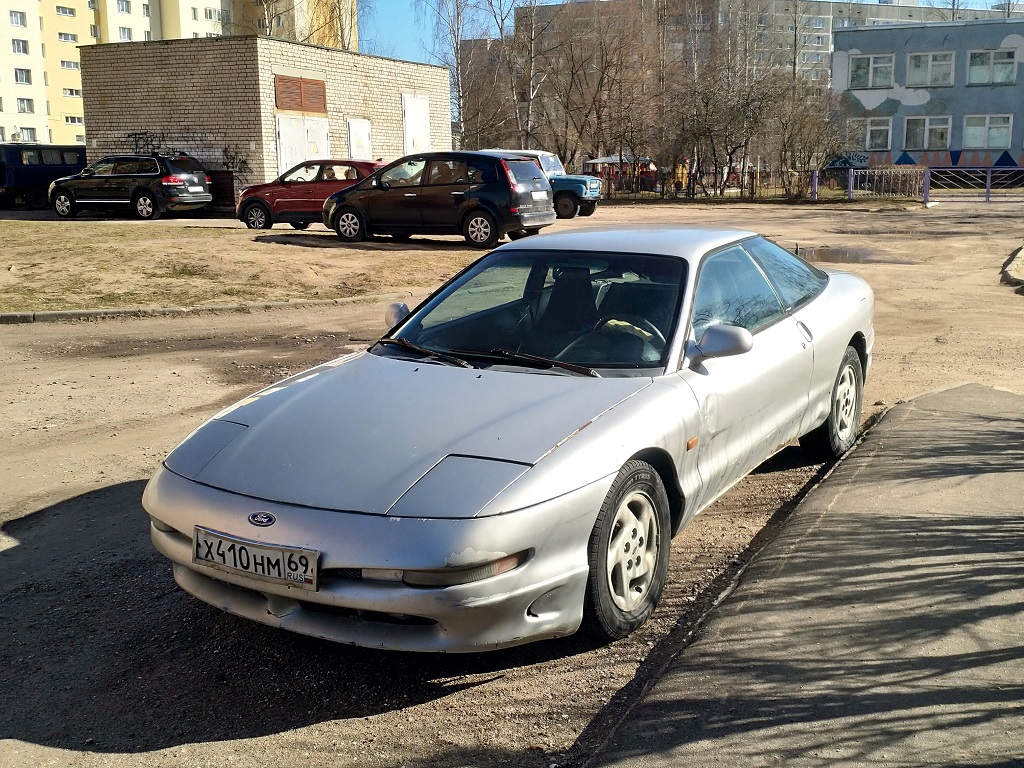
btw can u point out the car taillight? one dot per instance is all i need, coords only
(511, 176)
(172, 181)
(208, 178)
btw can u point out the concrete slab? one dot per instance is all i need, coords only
(885, 624)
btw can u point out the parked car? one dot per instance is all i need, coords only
(574, 194)
(297, 196)
(148, 185)
(511, 460)
(480, 195)
(26, 170)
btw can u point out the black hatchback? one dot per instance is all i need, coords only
(480, 195)
(148, 185)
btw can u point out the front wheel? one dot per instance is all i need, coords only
(349, 225)
(480, 230)
(587, 209)
(64, 204)
(839, 432)
(146, 206)
(257, 216)
(566, 205)
(628, 554)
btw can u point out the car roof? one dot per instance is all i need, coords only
(689, 243)
(527, 152)
(510, 154)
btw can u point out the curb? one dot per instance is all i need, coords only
(76, 315)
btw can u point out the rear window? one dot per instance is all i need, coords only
(187, 164)
(525, 170)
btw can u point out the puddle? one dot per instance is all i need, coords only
(828, 254)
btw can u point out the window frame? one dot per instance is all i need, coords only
(930, 69)
(876, 63)
(926, 134)
(988, 131)
(18, 18)
(991, 66)
(25, 105)
(19, 47)
(865, 145)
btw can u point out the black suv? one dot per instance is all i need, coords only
(480, 195)
(149, 184)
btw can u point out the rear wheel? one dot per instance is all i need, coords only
(145, 206)
(587, 209)
(567, 205)
(36, 199)
(839, 432)
(63, 204)
(257, 216)
(628, 554)
(480, 230)
(349, 225)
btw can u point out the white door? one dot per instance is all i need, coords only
(301, 138)
(359, 145)
(416, 121)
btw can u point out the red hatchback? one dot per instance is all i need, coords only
(297, 196)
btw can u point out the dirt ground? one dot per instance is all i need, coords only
(106, 662)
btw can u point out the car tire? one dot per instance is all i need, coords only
(480, 229)
(628, 554)
(349, 226)
(587, 209)
(36, 200)
(567, 205)
(257, 216)
(64, 204)
(839, 432)
(145, 206)
(299, 224)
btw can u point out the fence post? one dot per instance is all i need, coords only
(849, 183)
(988, 186)
(927, 184)
(814, 184)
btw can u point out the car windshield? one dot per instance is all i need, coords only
(598, 310)
(188, 165)
(552, 165)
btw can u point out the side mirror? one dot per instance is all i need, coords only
(723, 341)
(88, 172)
(395, 313)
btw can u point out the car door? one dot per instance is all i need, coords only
(443, 194)
(119, 183)
(91, 185)
(393, 203)
(751, 403)
(297, 191)
(333, 177)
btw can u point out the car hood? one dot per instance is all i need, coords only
(580, 177)
(357, 433)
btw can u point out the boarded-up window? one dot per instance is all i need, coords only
(300, 94)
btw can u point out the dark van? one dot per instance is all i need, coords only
(26, 170)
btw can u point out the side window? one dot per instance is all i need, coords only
(125, 166)
(408, 174)
(482, 171)
(447, 172)
(732, 291)
(339, 173)
(103, 167)
(147, 166)
(303, 173)
(51, 157)
(795, 280)
(30, 157)
(71, 157)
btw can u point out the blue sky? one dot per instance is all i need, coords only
(394, 29)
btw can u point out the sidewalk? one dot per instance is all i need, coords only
(885, 624)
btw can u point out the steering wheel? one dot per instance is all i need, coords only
(657, 338)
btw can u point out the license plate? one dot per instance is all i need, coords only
(194, 188)
(294, 566)
(540, 195)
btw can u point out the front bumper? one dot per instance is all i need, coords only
(542, 598)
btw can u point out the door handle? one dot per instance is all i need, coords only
(805, 331)
(410, 194)
(458, 193)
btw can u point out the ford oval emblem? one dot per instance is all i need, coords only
(262, 519)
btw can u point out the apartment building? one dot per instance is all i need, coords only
(40, 64)
(940, 95)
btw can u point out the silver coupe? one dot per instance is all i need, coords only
(511, 460)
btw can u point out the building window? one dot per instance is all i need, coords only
(124, 6)
(926, 133)
(929, 69)
(987, 131)
(23, 76)
(19, 46)
(871, 71)
(94, 31)
(872, 133)
(1, 134)
(73, 120)
(990, 67)
(817, 58)
(125, 34)
(73, 92)
(67, 37)
(80, 138)
(195, 34)
(212, 14)
(63, 10)
(145, 10)
(819, 23)
(93, 5)
(28, 134)
(147, 35)
(26, 106)
(195, 14)
(18, 19)
(262, 24)
(65, 64)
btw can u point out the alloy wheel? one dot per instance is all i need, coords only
(632, 551)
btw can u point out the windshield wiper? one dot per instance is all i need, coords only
(533, 360)
(398, 341)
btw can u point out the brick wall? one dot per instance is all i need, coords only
(214, 98)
